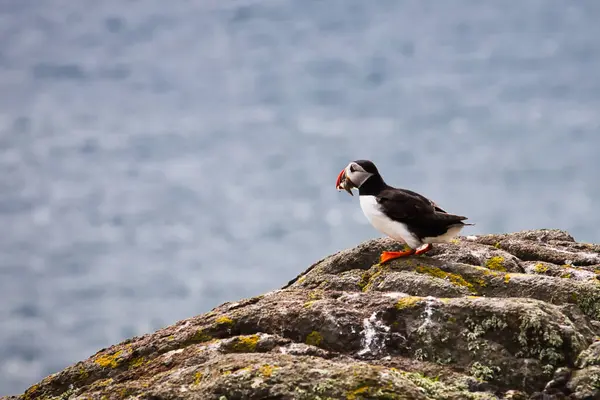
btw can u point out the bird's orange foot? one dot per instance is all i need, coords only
(392, 255)
(423, 249)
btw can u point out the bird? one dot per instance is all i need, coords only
(401, 214)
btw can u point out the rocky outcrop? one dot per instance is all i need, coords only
(512, 316)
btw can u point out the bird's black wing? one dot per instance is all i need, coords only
(404, 205)
(425, 199)
(421, 214)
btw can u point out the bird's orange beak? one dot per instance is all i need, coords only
(341, 176)
(343, 183)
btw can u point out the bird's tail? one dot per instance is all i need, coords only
(450, 219)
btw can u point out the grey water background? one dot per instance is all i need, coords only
(159, 158)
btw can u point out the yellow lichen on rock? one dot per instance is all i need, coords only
(365, 277)
(407, 302)
(479, 282)
(224, 320)
(103, 382)
(368, 277)
(83, 373)
(485, 271)
(315, 294)
(506, 278)
(109, 360)
(30, 392)
(197, 378)
(358, 393)
(455, 279)
(245, 344)
(314, 338)
(540, 268)
(137, 362)
(372, 389)
(308, 304)
(267, 370)
(496, 263)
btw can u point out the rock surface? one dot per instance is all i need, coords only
(512, 316)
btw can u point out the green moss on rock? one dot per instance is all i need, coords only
(364, 280)
(484, 372)
(314, 338)
(588, 300)
(200, 337)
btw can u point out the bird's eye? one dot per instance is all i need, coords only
(352, 169)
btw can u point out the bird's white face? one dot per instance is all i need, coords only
(353, 176)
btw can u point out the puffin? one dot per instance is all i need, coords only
(401, 214)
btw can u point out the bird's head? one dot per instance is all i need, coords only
(355, 175)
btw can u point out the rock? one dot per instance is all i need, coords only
(511, 316)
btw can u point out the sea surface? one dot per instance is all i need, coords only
(159, 158)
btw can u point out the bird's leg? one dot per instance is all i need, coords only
(387, 256)
(423, 249)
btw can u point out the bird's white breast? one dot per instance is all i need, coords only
(396, 230)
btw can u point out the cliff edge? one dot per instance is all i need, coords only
(509, 316)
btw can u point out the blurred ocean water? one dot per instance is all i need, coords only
(159, 158)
